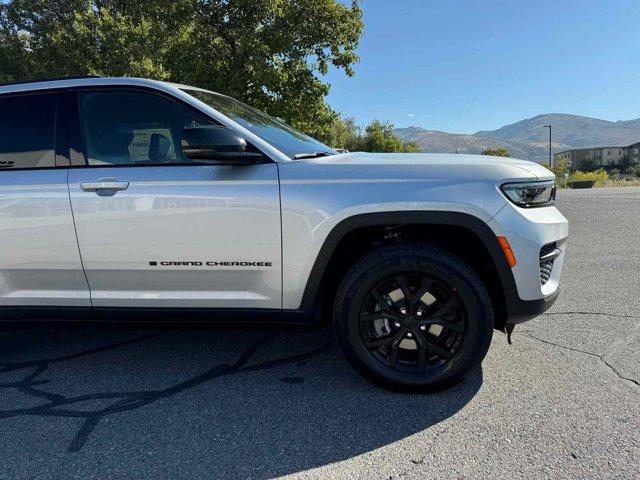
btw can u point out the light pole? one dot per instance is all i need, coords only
(549, 127)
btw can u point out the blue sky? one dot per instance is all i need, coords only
(463, 66)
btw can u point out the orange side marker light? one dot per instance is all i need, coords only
(506, 248)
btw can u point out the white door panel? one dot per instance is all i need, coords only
(180, 236)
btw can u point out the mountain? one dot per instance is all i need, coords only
(435, 141)
(528, 138)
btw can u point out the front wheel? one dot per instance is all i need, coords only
(413, 318)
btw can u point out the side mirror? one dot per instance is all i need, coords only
(216, 144)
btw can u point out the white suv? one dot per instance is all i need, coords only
(128, 199)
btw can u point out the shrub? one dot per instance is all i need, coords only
(599, 176)
(588, 165)
(496, 152)
(634, 170)
(560, 168)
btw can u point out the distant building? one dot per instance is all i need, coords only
(633, 152)
(598, 156)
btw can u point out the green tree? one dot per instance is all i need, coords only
(588, 165)
(625, 163)
(560, 168)
(269, 53)
(380, 137)
(377, 136)
(343, 133)
(496, 152)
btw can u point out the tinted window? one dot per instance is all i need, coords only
(134, 128)
(27, 131)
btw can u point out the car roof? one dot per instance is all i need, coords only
(71, 82)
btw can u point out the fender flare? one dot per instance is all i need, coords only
(448, 218)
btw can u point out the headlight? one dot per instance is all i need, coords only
(531, 194)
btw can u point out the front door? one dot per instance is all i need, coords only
(156, 230)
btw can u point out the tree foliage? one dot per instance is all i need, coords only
(634, 169)
(497, 152)
(625, 163)
(269, 53)
(560, 168)
(589, 165)
(377, 136)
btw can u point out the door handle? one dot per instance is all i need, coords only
(104, 186)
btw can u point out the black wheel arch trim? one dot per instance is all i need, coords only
(517, 309)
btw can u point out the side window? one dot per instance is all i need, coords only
(27, 131)
(134, 128)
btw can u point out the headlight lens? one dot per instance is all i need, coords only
(531, 194)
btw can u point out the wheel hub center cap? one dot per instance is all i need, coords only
(411, 322)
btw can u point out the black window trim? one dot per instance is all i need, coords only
(74, 121)
(59, 137)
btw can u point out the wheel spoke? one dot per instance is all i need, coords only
(426, 286)
(445, 307)
(408, 297)
(423, 349)
(371, 317)
(378, 342)
(456, 327)
(434, 347)
(384, 307)
(381, 302)
(392, 361)
(395, 344)
(388, 340)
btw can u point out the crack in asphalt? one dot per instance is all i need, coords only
(417, 463)
(59, 405)
(613, 348)
(602, 358)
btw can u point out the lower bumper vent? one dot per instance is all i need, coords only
(548, 254)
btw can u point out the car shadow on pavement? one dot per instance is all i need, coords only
(228, 403)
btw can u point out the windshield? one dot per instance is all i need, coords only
(288, 140)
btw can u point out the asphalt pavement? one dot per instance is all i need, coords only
(561, 402)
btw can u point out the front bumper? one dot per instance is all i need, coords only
(520, 311)
(528, 231)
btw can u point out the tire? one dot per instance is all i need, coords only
(443, 334)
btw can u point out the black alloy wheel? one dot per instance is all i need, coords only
(412, 322)
(413, 318)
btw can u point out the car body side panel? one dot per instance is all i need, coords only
(39, 260)
(171, 238)
(318, 195)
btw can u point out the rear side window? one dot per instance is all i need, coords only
(27, 131)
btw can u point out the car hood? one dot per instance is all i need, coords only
(437, 161)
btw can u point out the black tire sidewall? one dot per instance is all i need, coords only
(444, 268)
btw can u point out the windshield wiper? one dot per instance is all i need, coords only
(300, 156)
